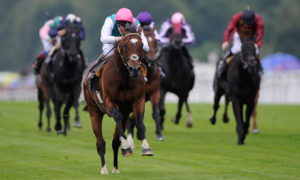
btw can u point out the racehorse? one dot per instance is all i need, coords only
(243, 79)
(121, 91)
(179, 77)
(152, 85)
(63, 74)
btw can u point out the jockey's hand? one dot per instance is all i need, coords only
(225, 45)
(53, 40)
(62, 32)
(118, 39)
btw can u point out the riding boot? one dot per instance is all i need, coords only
(221, 71)
(95, 73)
(38, 64)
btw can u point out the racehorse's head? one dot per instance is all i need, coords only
(152, 54)
(71, 42)
(130, 50)
(248, 54)
(176, 35)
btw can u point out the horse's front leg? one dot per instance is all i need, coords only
(249, 111)
(178, 114)
(238, 113)
(154, 98)
(118, 117)
(57, 107)
(138, 112)
(66, 114)
(162, 110)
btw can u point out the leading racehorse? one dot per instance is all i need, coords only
(121, 91)
(63, 74)
(243, 78)
(180, 75)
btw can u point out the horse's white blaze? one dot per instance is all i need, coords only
(150, 39)
(104, 170)
(145, 144)
(133, 40)
(130, 141)
(124, 143)
(115, 170)
(134, 57)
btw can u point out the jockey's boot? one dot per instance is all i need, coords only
(221, 71)
(38, 63)
(95, 73)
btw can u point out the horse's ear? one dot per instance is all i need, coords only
(140, 29)
(122, 30)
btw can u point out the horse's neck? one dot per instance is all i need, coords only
(120, 67)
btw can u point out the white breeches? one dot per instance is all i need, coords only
(107, 49)
(237, 44)
(46, 44)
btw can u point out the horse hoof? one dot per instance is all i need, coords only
(104, 170)
(57, 127)
(115, 170)
(147, 152)
(212, 120)
(126, 152)
(175, 120)
(77, 124)
(48, 129)
(225, 119)
(59, 132)
(160, 138)
(255, 131)
(240, 143)
(189, 124)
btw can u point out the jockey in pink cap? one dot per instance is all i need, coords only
(188, 37)
(110, 36)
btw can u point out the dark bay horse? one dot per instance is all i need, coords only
(121, 92)
(180, 75)
(152, 85)
(63, 74)
(243, 78)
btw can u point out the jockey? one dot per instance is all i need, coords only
(110, 36)
(242, 25)
(146, 21)
(188, 37)
(47, 41)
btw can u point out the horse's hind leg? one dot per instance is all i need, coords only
(217, 97)
(225, 116)
(162, 108)
(41, 107)
(77, 119)
(155, 115)
(48, 113)
(189, 120)
(178, 114)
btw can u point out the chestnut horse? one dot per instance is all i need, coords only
(243, 78)
(121, 91)
(152, 85)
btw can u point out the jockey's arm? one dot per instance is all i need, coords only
(189, 35)
(163, 31)
(106, 37)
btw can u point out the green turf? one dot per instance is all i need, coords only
(203, 152)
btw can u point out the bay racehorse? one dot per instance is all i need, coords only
(63, 73)
(121, 91)
(152, 85)
(243, 79)
(179, 77)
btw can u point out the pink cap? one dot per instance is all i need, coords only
(177, 18)
(124, 14)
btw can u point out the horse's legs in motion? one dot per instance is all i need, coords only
(189, 120)
(116, 144)
(67, 115)
(238, 112)
(178, 114)
(138, 112)
(57, 107)
(155, 115)
(48, 113)
(217, 97)
(130, 127)
(162, 108)
(225, 116)
(118, 117)
(77, 120)
(254, 115)
(41, 107)
(249, 111)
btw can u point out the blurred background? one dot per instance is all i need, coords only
(20, 43)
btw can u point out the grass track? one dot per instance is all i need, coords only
(203, 152)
